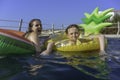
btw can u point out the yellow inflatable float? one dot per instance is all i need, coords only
(93, 24)
(82, 45)
(61, 43)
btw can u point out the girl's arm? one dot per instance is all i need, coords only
(49, 49)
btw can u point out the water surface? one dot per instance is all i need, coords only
(64, 66)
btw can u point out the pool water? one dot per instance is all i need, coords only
(64, 66)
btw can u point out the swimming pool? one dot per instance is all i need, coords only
(64, 66)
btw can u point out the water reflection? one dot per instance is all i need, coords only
(9, 67)
(57, 66)
(89, 63)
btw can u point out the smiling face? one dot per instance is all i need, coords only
(36, 27)
(73, 34)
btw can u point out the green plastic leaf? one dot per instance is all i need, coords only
(94, 22)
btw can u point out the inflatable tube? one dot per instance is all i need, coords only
(12, 42)
(82, 45)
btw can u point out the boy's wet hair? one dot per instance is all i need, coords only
(73, 25)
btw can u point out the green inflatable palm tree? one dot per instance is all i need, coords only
(94, 22)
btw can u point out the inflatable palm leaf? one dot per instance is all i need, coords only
(94, 22)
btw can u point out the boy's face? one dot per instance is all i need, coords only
(73, 34)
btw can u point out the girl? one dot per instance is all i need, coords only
(34, 30)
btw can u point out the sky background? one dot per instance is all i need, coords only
(50, 12)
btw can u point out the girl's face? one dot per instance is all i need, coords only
(36, 27)
(73, 34)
